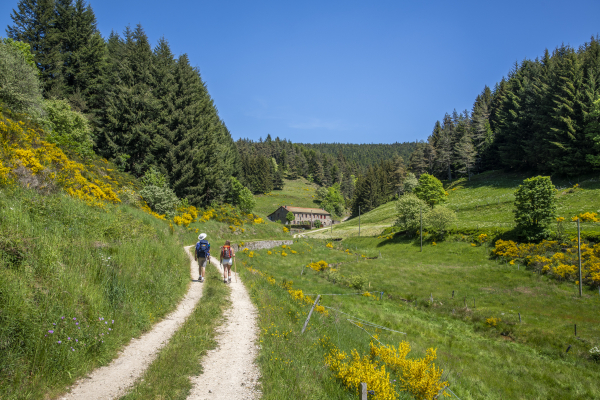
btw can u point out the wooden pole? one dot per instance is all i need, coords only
(519, 317)
(363, 391)
(575, 329)
(235, 266)
(421, 230)
(310, 313)
(359, 221)
(579, 253)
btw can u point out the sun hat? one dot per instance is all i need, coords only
(202, 236)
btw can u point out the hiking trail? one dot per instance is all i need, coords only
(229, 371)
(114, 380)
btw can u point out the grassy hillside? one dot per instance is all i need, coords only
(78, 282)
(297, 193)
(484, 350)
(485, 202)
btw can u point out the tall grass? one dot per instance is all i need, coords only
(480, 359)
(67, 271)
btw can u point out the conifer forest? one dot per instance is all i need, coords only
(148, 108)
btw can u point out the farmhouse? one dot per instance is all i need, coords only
(301, 215)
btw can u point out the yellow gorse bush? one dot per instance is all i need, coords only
(318, 266)
(23, 147)
(493, 321)
(420, 377)
(356, 369)
(558, 260)
(586, 217)
(330, 245)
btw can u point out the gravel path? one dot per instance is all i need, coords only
(229, 371)
(113, 381)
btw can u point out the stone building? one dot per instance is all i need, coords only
(301, 215)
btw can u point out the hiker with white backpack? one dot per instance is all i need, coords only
(226, 259)
(202, 255)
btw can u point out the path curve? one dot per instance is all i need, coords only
(113, 380)
(229, 371)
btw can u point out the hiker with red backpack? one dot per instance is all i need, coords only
(202, 255)
(227, 256)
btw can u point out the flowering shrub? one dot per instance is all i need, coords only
(34, 162)
(419, 377)
(586, 217)
(329, 245)
(492, 321)
(318, 266)
(481, 239)
(556, 259)
(356, 369)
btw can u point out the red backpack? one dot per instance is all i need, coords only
(226, 252)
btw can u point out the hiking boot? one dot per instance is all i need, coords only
(229, 279)
(201, 279)
(224, 280)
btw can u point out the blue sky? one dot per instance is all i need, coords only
(348, 71)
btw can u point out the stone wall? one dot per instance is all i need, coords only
(261, 245)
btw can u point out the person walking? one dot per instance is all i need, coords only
(202, 255)
(227, 255)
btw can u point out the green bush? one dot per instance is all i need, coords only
(240, 196)
(408, 208)
(440, 219)
(535, 208)
(358, 281)
(317, 223)
(68, 129)
(20, 87)
(430, 190)
(157, 194)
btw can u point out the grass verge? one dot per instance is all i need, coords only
(77, 282)
(494, 360)
(169, 375)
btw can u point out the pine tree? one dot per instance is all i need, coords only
(444, 146)
(565, 127)
(131, 110)
(465, 153)
(417, 164)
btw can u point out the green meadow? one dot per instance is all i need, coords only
(512, 359)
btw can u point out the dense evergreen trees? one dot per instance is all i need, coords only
(543, 118)
(148, 109)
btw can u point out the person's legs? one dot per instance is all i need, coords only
(201, 268)
(229, 271)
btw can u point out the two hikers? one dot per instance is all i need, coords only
(227, 255)
(202, 255)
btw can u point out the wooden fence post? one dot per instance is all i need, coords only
(310, 313)
(363, 391)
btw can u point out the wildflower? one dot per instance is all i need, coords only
(59, 342)
(50, 331)
(74, 318)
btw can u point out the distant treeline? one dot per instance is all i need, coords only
(544, 118)
(365, 155)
